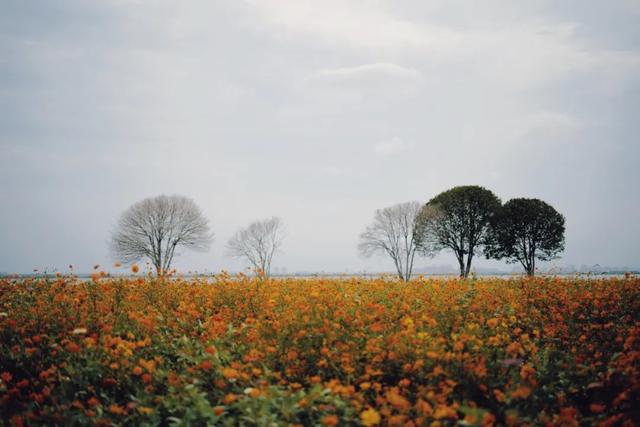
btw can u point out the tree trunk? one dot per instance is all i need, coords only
(532, 264)
(468, 269)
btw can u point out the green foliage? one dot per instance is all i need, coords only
(525, 230)
(458, 219)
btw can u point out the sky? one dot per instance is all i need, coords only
(319, 112)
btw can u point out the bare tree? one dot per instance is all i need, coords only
(393, 232)
(154, 227)
(258, 243)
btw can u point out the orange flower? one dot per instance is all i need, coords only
(72, 347)
(230, 373)
(492, 323)
(444, 411)
(527, 372)
(117, 410)
(370, 417)
(398, 401)
(515, 349)
(135, 268)
(521, 392)
(423, 407)
(330, 420)
(488, 419)
(374, 344)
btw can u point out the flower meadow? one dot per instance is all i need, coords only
(238, 350)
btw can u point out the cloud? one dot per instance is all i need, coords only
(381, 80)
(345, 90)
(368, 75)
(391, 147)
(338, 171)
(352, 24)
(261, 108)
(547, 125)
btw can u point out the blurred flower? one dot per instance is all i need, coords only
(370, 417)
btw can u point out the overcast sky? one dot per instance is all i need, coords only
(319, 112)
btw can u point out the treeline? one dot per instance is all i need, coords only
(153, 228)
(469, 221)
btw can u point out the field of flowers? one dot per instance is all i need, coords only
(243, 351)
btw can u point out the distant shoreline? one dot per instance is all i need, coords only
(612, 273)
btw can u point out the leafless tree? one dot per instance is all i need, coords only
(258, 243)
(154, 227)
(393, 232)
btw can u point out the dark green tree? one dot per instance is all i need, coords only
(458, 219)
(526, 230)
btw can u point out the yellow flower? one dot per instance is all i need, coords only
(370, 417)
(407, 322)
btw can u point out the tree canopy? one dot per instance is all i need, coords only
(154, 227)
(258, 243)
(393, 232)
(526, 230)
(458, 219)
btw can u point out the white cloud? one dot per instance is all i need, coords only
(545, 125)
(368, 74)
(376, 79)
(358, 24)
(391, 147)
(345, 90)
